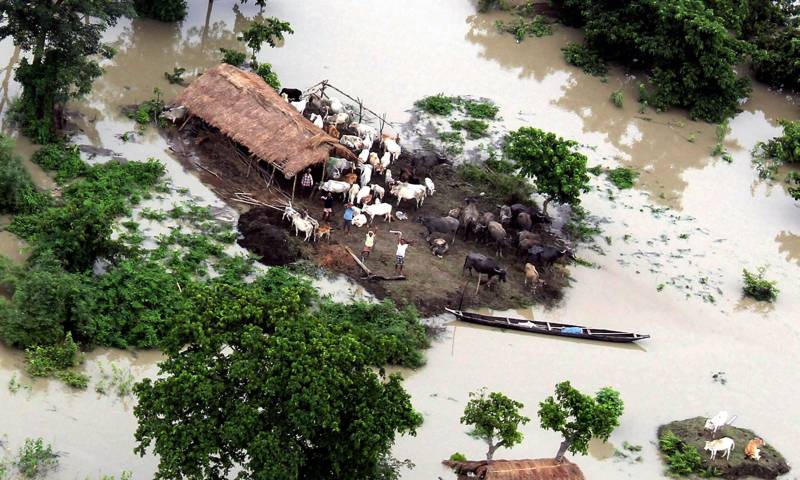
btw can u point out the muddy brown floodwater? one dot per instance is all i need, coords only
(669, 258)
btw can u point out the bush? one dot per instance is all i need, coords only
(502, 187)
(458, 457)
(758, 287)
(616, 98)
(176, 77)
(474, 128)
(232, 57)
(162, 10)
(46, 361)
(437, 104)
(783, 149)
(585, 58)
(17, 192)
(623, 177)
(149, 111)
(682, 459)
(264, 71)
(793, 180)
(775, 62)
(480, 109)
(64, 159)
(35, 458)
(538, 26)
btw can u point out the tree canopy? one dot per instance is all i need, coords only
(63, 49)
(270, 31)
(557, 169)
(163, 10)
(579, 417)
(495, 419)
(255, 382)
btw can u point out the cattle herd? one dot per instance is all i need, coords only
(365, 182)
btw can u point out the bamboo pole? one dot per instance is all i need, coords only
(269, 184)
(294, 184)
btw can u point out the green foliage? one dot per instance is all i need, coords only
(558, 170)
(777, 58)
(148, 112)
(688, 49)
(271, 31)
(479, 109)
(784, 149)
(436, 104)
(119, 380)
(538, 26)
(498, 182)
(758, 287)
(233, 57)
(161, 10)
(64, 159)
(585, 58)
(392, 336)
(291, 398)
(265, 71)
(45, 361)
(35, 458)
(580, 417)
(176, 77)
(61, 56)
(683, 460)
(18, 194)
(495, 419)
(623, 177)
(73, 379)
(793, 181)
(474, 128)
(458, 457)
(617, 97)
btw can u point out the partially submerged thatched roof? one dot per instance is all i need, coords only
(250, 112)
(540, 469)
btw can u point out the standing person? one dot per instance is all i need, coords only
(348, 218)
(307, 182)
(369, 242)
(400, 255)
(327, 197)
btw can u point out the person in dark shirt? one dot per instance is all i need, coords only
(328, 210)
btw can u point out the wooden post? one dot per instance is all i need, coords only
(360, 110)
(294, 184)
(269, 184)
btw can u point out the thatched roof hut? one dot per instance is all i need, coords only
(540, 469)
(251, 113)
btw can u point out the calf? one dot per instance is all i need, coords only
(322, 231)
(753, 449)
(532, 276)
(724, 444)
(484, 265)
(447, 225)
(292, 94)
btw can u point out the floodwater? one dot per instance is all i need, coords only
(668, 262)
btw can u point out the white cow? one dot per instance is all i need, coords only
(359, 219)
(430, 186)
(717, 421)
(353, 193)
(724, 444)
(362, 194)
(336, 105)
(289, 212)
(363, 130)
(386, 160)
(393, 148)
(305, 225)
(317, 120)
(379, 191)
(335, 186)
(366, 174)
(388, 177)
(363, 156)
(408, 191)
(377, 209)
(351, 141)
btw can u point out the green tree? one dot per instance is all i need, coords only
(558, 170)
(18, 193)
(63, 49)
(253, 381)
(495, 419)
(580, 417)
(270, 31)
(162, 10)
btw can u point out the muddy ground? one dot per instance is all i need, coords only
(431, 283)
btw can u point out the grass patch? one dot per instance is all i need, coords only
(480, 109)
(118, 380)
(683, 460)
(758, 287)
(35, 458)
(55, 361)
(497, 182)
(474, 128)
(617, 97)
(623, 177)
(439, 104)
(64, 159)
(585, 58)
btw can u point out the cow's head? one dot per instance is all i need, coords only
(500, 272)
(567, 252)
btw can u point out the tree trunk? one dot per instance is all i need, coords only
(492, 449)
(546, 203)
(562, 449)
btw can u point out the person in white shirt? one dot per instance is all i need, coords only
(400, 256)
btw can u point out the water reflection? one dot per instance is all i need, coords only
(789, 246)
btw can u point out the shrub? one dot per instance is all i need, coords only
(758, 287)
(793, 179)
(682, 459)
(35, 458)
(233, 57)
(176, 77)
(264, 71)
(458, 457)
(64, 159)
(538, 26)
(474, 128)
(149, 110)
(437, 104)
(48, 360)
(500, 186)
(623, 177)
(585, 58)
(775, 62)
(783, 149)
(17, 192)
(480, 109)
(616, 98)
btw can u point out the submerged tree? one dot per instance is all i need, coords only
(580, 417)
(63, 39)
(495, 419)
(255, 382)
(271, 31)
(558, 170)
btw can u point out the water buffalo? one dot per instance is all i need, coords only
(547, 256)
(497, 234)
(293, 94)
(469, 216)
(505, 214)
(524, 220)
(447, 225)
(484, 265)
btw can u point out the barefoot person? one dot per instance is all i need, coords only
(400, 255)
(327, 197)
(307, 182)
(369, 242)
(348, 218)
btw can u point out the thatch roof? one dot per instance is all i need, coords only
(540, 469)
(250, 112)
